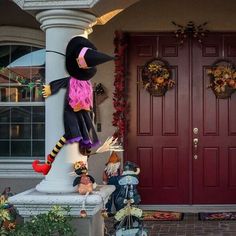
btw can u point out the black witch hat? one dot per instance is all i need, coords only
(82, 57)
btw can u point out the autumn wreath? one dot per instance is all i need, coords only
(156, 77)
(222, 78)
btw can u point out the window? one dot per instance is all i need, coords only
(22, 120)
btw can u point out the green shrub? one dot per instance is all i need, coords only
(54, 223)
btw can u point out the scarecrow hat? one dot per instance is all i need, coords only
(82, 57)
(114, 158)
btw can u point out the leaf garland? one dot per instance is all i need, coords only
(36, 82)
(119, 101)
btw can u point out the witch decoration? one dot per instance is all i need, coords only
(81, 59)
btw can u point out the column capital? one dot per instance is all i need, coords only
(53, 4)
(66, 19)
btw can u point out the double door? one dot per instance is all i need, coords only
(185, 141)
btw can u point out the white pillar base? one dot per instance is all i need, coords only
(32, 202)
(61, 176)
(46, 186)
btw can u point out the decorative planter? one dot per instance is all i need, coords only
(158, 92)
(226, 94)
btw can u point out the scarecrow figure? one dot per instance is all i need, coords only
(81, 59)
(111, 176)
(85, 183)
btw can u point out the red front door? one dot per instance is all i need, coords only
(160, 132)
(214, 170)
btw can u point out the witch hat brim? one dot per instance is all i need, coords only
(92, 57)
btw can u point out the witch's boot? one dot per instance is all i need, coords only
(45, 168)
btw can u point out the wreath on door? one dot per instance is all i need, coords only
(156, 77)
(222, 78)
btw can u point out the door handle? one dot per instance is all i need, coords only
(195, 142)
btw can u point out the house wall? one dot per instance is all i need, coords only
(144, 16)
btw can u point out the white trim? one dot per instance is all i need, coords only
(17, 169)
(191, 208)
(22, 35)
(22, 104)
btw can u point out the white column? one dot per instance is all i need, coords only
(60, 26)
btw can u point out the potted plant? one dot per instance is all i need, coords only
(156, 77)
(8, 213)
(222, 78)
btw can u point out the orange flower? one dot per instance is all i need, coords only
(232, 83)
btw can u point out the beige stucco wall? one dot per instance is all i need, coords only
(145, 16)
(156, 15)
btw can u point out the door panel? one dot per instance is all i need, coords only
(158, 135)
(215, 118)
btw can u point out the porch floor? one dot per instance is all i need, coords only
(189, 226)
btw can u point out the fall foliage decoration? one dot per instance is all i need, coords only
(119, 98)
(27, 84)
(156, 77)
(222, 78)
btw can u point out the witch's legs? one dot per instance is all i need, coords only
(44, 168)
(57, 149)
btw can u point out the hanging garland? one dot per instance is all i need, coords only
(119, 101)
(36, 81)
